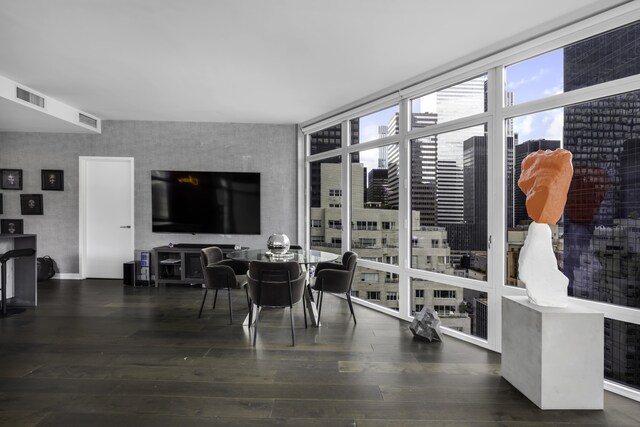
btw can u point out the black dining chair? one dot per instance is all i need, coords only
(335, 278)
(275, 284)
(222, 273)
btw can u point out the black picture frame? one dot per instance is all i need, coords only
(52, 179)
(31, 204)
(11, 179)
(11, 226)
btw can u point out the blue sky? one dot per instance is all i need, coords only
(531, 79)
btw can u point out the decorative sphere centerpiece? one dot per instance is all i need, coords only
(278, 244)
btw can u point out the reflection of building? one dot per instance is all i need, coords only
(600, 222)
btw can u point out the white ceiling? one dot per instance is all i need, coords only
(257, 61)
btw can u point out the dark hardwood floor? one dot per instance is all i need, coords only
(97, 353)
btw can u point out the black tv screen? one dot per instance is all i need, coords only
(205, 202)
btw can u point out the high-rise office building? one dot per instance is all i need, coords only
(450, 192)
(325, 140)
(601, 223)
(377, 187)
(423, 169)
(475, 185)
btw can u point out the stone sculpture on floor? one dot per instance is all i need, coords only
(545, 179)
(426, 325)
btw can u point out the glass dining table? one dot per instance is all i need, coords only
(306, 258)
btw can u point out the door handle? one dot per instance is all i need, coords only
(125, 226)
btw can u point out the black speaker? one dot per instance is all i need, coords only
(129, 273)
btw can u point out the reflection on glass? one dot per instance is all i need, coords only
(597, 243)
(374, 220)
(621, 341)
(375, 125)
(458, 308)
(325, 228)
(377, 287)
(449, 203)
(455, 102)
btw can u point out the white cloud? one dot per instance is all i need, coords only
(555, 124)
(527, 80)
(553, 91)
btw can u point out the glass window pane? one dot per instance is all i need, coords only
(326, 200)
(326, 139)
(455, 102)
(597, 242)
(377, 287)
(464, 310)
(621, 356)
(375, 125)
(449, 203)
(374, 220)
(599, 59)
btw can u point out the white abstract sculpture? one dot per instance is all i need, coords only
(538, 269)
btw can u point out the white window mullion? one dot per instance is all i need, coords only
(346, 186)
(404, 214)
(496, 209)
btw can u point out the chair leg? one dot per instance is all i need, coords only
(230, 310)
(293, 331)
(202, 305)
(215, 298)
(304, 310)
(246, 291)
(351, 307)
(320, 298)
(250, 312)
(255, 329)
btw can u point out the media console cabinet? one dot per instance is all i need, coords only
(180, 263)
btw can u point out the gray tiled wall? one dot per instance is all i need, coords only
(268, 149)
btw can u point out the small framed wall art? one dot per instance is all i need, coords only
(52, 180)
(11, 226)
(11, 179)
(31, 204)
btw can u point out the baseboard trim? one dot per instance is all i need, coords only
(67, 276)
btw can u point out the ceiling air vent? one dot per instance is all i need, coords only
(89, 121)
(29, 97)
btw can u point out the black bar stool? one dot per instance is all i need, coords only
(16, 253)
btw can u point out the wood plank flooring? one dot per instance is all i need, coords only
(97, 353)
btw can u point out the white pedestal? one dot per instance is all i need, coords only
(554, 356)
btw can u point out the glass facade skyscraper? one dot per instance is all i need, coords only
(602, 217)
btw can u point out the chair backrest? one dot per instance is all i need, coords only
(215, 274)
(349, 260)
(275, 283)
(210, 255)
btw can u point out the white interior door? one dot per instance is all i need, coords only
(106, 223)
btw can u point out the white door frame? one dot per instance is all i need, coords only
(82, 190)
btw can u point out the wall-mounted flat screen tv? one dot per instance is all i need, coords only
(205, 202)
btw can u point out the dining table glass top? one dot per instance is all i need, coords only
(301, 256)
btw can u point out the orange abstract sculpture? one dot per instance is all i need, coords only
(545, 179)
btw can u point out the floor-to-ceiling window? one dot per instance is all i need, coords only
(434, 210)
